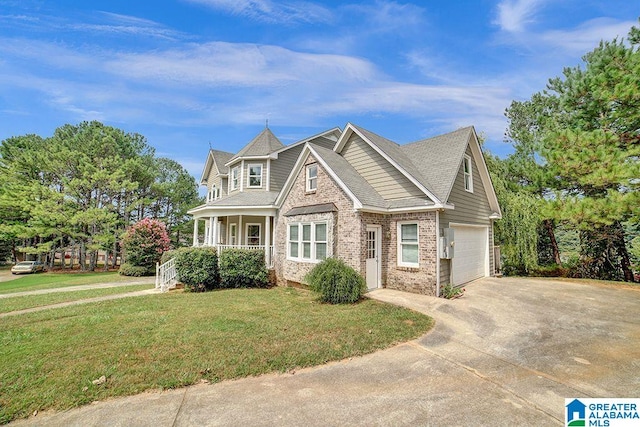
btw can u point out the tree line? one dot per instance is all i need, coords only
(78, 190)
(576, 167)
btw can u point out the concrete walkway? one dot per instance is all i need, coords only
(140, 281)
(507, 353)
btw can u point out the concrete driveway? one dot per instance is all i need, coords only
(507, 353)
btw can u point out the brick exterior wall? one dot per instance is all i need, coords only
(421, 280)
(346, 231)
(343, 227)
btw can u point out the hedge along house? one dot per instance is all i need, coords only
(409, 217)
(241, 191)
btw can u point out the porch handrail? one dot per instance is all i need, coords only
(166, 275)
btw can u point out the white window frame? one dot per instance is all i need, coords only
(467, 171)
(401, 263)
(249, 176)
(311, 181)
(214, 193)
(312, 242)
(235, 178)
(233, 234)
(246, 233)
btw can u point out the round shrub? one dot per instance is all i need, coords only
(197, 268)
(243, 268)
(336, 282)
(127, 269)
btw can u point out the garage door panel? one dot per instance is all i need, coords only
(470, 256)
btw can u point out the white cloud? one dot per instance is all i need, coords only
(272, 12)
(514, 15)
(226, 83)
(388, 16)
(586, 37)
(238, 65)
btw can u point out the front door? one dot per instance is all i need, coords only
(373, 263)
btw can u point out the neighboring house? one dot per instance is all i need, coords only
(411, 217)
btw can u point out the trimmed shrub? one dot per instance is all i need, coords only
(197, 268)
(167, 255)
(243, 268)
(336, 282)
(127, 269)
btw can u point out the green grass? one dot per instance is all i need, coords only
(34, 282)
(49, 358)
(9, 304)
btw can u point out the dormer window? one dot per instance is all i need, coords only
(468, 174)
(235, 173)
(255, 176)
(312, 177)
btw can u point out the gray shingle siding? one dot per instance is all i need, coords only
(282, 166)
(390, 183)
(470, 208)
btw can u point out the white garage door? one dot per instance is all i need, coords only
(470, 256)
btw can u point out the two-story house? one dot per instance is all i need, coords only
(410, 217)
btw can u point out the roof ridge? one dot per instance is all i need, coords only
(466, 128)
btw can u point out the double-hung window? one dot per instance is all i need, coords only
(307, 241)
(255, 176)
(235, 172)
(468, 174)
(312, 177)
(408, 244)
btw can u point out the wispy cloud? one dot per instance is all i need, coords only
(586, 37)
(387, 16)
(128, 25)
(514, 15)
(226, 83)
(271, 12)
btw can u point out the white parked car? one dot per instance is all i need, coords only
(27, 267)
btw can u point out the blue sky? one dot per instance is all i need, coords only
(190, 73)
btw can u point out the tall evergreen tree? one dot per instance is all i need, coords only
(587, 127)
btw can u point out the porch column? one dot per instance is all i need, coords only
(240, 233)
(195, 231)
(216, 232)
(267, 240)
(212, 229)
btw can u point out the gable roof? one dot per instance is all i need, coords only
(358, 189)
(365, 194)
(263, 144)
(393, 153)
(220, 158)
(439, 159)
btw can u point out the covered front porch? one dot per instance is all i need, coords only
(224, 230)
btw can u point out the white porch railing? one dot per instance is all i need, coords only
(166, 275)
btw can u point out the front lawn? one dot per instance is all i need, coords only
(50, 358)
(34, 282)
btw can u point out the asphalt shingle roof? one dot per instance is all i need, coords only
(398, 154)
(221, 158)
(247, 198)
(262, 145)
(439, 159)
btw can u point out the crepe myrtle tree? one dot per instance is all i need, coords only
(144, 242)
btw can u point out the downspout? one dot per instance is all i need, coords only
(438, 249)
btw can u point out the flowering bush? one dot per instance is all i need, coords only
(144, 242)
